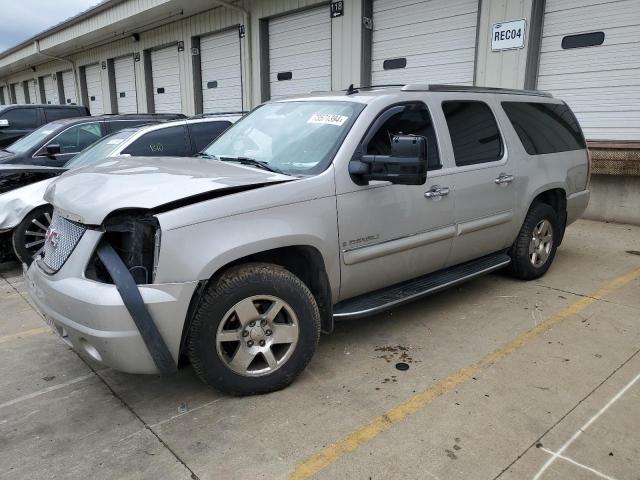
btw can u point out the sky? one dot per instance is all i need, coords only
(22, 19)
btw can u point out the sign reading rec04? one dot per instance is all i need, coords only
(508, 35)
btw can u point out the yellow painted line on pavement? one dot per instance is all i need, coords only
(26, 333)
(419, 401)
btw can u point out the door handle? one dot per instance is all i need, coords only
(503, 178)
(436, 192)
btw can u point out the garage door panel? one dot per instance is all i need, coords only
(221, 72)
(436, 37)
(165, 75)
(125, 76)
(19, 93)
(33, 96)
(600, 83)
(94, 89)
(300, 43)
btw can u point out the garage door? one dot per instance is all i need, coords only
(94, 89)
(424, 41)
(221, 72)
(300, 53)
(589, 58)
(19, 92)
(125, 76)
(49, 91)
(69, 87)
(33, 97)
(166, 80)
(3, 97)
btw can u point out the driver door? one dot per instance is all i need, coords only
(71, 141)
(388, 232)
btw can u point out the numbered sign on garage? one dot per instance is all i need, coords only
(508, 35)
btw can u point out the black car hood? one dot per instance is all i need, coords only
(16, 176)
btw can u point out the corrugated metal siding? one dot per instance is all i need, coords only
(221, 72)
(166, 80)
(600, 83)
(94, 89)
(300, 44)
(125, 77)
(436, 37)
(69, 87)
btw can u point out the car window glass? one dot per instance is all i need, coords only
(474, 132)
(21, 118)
(102, 149)
(77, 138)
(545, 127)
(204, 133)
(415, 120)
(35, 138)
(169, 141)
(58, 113)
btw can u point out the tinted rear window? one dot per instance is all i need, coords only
(545, 127)
(203, 133)
(57, 113)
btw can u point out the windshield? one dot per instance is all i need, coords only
(292, 137)
(34, 139)
(101, 149)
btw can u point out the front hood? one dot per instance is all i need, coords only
(88, 195)
(16, 176)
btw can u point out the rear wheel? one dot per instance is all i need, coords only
(535, 247)
(29, 236)
(254, 331)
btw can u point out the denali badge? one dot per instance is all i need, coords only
(52, 237)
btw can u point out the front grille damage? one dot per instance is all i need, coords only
(135, 237)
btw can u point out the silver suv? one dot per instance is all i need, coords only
(309, 209)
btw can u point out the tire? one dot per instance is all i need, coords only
(230, 353)
(28, 236)
(531, 255)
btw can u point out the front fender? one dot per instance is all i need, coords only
(16, 204)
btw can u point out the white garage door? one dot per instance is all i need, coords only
(33, 97)
(3, 96)
(69, 87)
(19, 92)
(49, 91)
(221, 72)
(125, 75)
(166, 80)
(94, 89)
(598, 71)
(430, 41)
(300, 53)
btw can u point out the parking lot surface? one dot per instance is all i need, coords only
(506, 379)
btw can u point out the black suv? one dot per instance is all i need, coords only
(19, 120)
(54, 143)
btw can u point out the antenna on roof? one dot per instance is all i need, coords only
(351, 90)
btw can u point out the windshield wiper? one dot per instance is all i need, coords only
(253, 162)
(205, 155)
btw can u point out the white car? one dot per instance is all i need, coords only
(25, 215)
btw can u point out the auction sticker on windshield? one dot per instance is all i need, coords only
(328, 119)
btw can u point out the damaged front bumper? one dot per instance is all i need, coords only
(92, 317)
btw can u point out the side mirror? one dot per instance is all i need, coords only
(4, 123)
(52, 149)
(407, 164)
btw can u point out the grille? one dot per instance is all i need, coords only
(62, 237)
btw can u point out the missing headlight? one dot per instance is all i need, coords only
(136, 238)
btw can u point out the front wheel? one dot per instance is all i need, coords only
(29, 236)
(254, 331)
(535, 247)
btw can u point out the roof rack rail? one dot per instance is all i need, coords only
(471, 89)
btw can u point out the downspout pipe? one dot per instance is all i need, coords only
(73, 69)
(247, 33)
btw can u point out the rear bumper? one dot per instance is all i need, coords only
(576, 205)
(92, 318)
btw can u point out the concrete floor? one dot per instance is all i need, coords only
(507, 380)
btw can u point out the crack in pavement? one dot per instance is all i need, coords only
(586, 296)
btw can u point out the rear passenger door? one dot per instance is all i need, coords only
(482, 180)
(164, 142)
(57, 113)
(203, 133)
